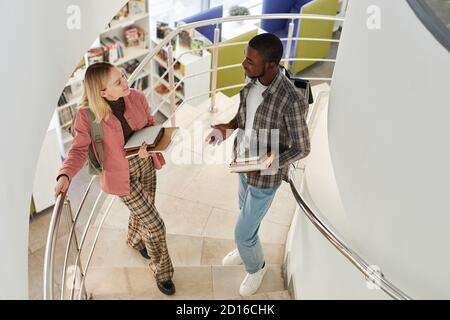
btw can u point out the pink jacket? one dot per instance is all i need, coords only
(114, 178)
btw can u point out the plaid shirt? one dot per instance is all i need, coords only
(283, 108)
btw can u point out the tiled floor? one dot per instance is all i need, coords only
(199, 206)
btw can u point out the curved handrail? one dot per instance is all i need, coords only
(71, 235)
(94, 243)
(50, 246)
(217, 21)
(83, 238)
(376, 277)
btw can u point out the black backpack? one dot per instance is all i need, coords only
(303, 85)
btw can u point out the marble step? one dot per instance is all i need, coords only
(275, 295)
(185, 250)
(200, 282)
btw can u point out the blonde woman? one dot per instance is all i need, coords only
(121, 111)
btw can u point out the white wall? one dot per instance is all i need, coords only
(38, 54)
(388, 135)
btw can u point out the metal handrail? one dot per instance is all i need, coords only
(218, 21)
(94, 243)
(83, 238)
(50, 246)
(376, 277)
(72, 234)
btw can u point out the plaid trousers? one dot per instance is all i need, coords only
(145, 227)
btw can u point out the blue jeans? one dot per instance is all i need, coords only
(253, 204)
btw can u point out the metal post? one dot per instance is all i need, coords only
(70, 222)
(173, 105)
(289, 44)
(50, 247)
(215, 58)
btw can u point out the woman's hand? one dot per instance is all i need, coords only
(143, 153)
(61, 185)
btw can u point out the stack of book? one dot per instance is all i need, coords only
(113, 48)
(66, 115)
(252, 164)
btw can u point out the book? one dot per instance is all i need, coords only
(251, 164)
(164, 143)
(95, 55)
(150, 135)
(197, 44)
(136, 7)
(134, 37)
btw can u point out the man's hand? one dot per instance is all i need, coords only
(219, 133)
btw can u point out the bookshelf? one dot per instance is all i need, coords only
(124, 42)
(189, 64)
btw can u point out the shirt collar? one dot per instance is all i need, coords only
(273, 87)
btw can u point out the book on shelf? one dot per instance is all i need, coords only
(148, 135)
(62, 99)
(136, 6)
(95, 55)
(161, 89)
(185, 39)
(162, 29)
(66, 115)
(113, 49)
(140, 84)
(251, 164)
(70, 93)
(134, 37)
(130, 66)
(197, 45)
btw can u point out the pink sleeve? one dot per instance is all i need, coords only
(79, 150)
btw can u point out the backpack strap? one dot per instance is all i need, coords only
(96, 136)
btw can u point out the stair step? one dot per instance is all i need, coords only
(185, 250)
(200, 282)
(274, 295)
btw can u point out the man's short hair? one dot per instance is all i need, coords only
(269, 46)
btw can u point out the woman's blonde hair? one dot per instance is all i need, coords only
(95, 80)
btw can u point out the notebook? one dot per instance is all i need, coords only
(251, 164)
(150, 135)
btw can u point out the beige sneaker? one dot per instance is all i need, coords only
(232, 259)
(252, 282)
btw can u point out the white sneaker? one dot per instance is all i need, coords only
(233, 258)
(252, 281)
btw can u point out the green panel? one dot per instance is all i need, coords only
(315, 29)
(232, 55)
(32, 206)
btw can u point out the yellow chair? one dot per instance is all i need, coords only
(314, 29)
(230, 55)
